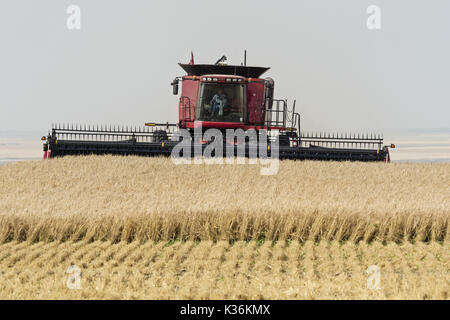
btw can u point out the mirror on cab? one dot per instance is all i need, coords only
(174, 85)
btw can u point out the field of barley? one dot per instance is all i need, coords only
(146, 228)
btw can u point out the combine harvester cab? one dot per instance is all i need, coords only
(219, 96)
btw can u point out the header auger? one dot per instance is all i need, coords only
(221, 97)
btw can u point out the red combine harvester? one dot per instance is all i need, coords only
(221, 97)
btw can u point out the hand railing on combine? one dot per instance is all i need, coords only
(294, 118)
(275, 113)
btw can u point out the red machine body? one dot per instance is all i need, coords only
(246, 99)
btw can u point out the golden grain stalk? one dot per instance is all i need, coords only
(130, 198)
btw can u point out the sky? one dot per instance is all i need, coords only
(117, 68)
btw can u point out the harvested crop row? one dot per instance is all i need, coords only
(208, 270)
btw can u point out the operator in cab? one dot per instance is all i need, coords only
(218, 103)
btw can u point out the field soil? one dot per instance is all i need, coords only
(130, 227)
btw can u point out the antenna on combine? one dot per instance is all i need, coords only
(222, 60)
(245, 58)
